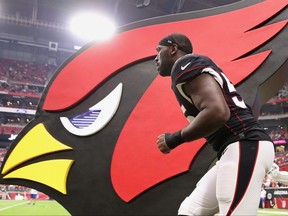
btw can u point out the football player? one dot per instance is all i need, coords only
(218, 113)
(276, 175)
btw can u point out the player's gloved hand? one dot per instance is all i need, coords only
(273, 172)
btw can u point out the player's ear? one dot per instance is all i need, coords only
(174, 49)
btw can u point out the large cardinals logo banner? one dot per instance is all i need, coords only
(92, 144)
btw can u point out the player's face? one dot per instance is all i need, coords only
(163, 60)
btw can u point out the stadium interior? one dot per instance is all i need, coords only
(35, 41)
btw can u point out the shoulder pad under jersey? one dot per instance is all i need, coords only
(190, 66)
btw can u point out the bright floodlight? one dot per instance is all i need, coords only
(92, 26)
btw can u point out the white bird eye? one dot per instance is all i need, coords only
(97, 117)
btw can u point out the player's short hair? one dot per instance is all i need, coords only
(183, 42)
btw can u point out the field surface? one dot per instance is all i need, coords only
(22, 208)
(19, 208)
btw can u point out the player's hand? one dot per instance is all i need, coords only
(162, 146)
(274, 170)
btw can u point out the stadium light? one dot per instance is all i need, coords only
(91, 26)
(76, 47)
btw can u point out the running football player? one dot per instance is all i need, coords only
(216, 112)
(276, 175)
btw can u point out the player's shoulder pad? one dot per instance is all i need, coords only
(188, 67)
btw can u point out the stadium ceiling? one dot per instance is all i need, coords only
(58, 12)
(48, 20)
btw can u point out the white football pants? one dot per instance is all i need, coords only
(233, 185)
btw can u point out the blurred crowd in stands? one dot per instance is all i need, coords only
(13, 124)
(16, 75)
(282, 93)
(27, 103)
(281, 156)
(279, 134)
(282, 160)
(18, 80)
(7, 129)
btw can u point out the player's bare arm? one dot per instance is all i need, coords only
(208, 98)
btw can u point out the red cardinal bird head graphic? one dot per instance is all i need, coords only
(92, 144)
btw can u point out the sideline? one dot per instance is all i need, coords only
(12, 206)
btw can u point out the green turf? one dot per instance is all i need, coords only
(21, 208)
(272, 212)
(13, 207)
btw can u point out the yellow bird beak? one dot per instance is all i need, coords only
(35, 143)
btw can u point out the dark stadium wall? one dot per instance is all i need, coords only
(112, 166)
